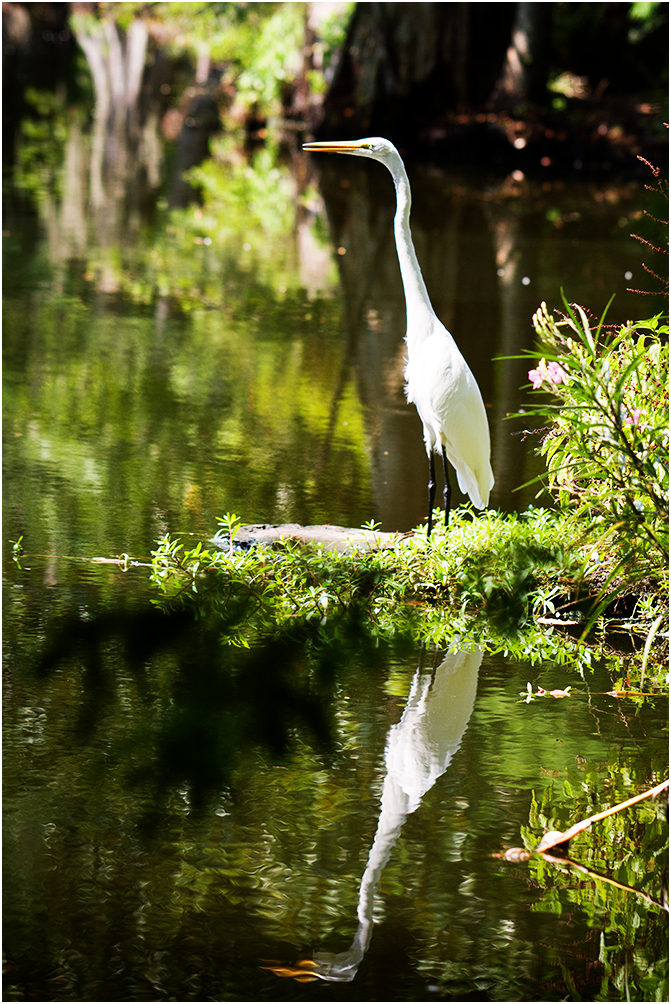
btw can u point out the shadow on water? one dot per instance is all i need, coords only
(220, 699)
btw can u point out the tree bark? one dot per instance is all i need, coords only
(406, 65)
(525, 69)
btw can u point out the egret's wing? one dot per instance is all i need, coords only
(448, 399)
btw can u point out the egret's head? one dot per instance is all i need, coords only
(374, 147)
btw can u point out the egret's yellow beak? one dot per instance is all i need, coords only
(335, 146)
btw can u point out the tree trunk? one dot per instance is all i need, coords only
(406, 65)
(524, 73)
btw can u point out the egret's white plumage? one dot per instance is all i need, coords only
(438, 380)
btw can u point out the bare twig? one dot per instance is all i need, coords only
(554, 838)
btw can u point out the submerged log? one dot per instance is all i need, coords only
(332, 538)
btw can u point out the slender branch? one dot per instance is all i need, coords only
(554, 838)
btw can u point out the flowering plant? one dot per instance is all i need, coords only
(607, 445)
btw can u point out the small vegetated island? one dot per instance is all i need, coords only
(584, 579)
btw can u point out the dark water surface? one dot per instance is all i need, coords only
(299, 858)
(379, 868)
(229, 359)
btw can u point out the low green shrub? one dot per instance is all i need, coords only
(490, 577)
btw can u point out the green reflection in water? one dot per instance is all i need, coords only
(153, 362)
(147, 422)
(160, 376)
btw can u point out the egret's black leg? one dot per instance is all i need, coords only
(447, 490)
(432, 491)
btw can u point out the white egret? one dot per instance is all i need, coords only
(438, 380)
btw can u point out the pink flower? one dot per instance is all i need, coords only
(556, 374)
(537, 376)
(634, 418)
(547, 373)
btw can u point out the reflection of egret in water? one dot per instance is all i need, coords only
(419, 749)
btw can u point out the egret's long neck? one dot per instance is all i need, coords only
(417, 303)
